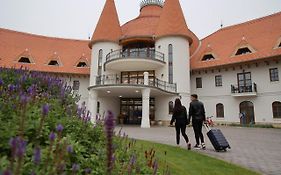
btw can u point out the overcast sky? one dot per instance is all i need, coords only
(77, 18)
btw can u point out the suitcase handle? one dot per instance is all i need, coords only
(206, 127)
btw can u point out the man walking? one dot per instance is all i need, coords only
(197, 113)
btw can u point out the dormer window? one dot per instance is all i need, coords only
(24, 60)
(82, 64)
(243, 50)
(279, 44)
(208, 57)
(53, 63)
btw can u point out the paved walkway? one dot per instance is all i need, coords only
(254, 148)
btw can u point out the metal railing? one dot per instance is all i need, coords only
(116, 80)
(235, 89)
(147, 53)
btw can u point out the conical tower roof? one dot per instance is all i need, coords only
(172, 21)
(108, 27)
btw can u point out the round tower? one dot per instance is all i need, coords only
(104, 40)
(173, 38)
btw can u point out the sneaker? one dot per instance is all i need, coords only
(196, 146)
(203, 146)
(188, 146)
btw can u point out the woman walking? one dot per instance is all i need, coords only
(180, 117)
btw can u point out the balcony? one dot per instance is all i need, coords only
(115, 80)
(243, 91)
(134, 59)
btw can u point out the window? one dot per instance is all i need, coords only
(220, 110)
(208, 57)
(82, 64)
(76, 85)
(273, 73)
(199, 82)
(171, 107)
(98, 107)
(24, 60)
(242, 51)
(279, 45)
(218, 80)
(100, 62)
(276, 109)
(170, 54)
(53, 63)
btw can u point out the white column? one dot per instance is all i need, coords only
(92, 106)
(145, 78)
(145, 123)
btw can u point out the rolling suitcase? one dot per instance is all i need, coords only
(217, 139)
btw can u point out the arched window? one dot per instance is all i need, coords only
(100, 62)
(170, 57)
(220, 110)
(276, 109)
(171, 107)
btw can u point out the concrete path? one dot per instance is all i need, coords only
(254, 148)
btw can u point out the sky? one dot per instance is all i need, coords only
(76, 19)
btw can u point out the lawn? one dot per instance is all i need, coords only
(183, 162)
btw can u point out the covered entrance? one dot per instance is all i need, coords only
(131, 110)
(247, 113)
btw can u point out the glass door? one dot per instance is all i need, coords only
(244, 82)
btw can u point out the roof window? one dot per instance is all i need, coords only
(53, 63)
(207, 57)
(82, 64)
(243, 50)
(24, 60)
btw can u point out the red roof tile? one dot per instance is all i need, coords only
(108, 27)
(260, 34)
(172, 21)
(40, 50)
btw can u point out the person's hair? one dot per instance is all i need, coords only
(194, 96)
(178, 106)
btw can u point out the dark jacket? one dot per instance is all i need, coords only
(180, 117)
(197, 111)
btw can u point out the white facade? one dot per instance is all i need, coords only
(267, 92)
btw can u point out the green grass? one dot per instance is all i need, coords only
(184, 162)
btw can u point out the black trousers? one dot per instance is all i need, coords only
(180, 128)
(197, 127)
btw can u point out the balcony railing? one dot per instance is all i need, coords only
(153, 82)
(244, 89)
(146, 53)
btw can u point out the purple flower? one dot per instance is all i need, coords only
(109, 128)
(59, 128)
(52, 136)
(7, 172)
(23, 99)
(11, 87)
(1, 82)
(18, 146)
(75, 167)
(45, 110)
(88, 171)
(69, 149)
(37, 155)
(133, 159)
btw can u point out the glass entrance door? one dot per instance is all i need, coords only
(131, 109)
(244, 82)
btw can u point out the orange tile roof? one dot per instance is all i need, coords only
(108, 27)
(261, 34)
(144, 25)
(40, 50)
(172, 21)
